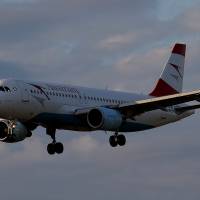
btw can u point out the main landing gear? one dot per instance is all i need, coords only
(54, 147)
(117, 140)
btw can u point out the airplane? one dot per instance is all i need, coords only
(25, 105)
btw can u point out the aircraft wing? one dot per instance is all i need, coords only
(141, 106)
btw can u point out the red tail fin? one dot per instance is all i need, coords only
(171, 79)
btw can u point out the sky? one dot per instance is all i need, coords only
(115, 44)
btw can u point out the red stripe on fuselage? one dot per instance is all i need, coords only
(163, 89)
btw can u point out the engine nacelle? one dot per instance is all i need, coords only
(12, 131)
(104, 119)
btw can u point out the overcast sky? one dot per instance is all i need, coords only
(119, 44)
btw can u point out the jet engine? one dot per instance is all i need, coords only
(104, 119)
(12, 131)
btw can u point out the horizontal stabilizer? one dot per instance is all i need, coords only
(187, 108)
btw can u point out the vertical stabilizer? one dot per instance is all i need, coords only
(171, 79)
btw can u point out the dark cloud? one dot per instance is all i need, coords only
(119, 44)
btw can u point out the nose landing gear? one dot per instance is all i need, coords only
(54, 147)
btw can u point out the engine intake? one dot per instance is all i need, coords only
(12, 131)
(3, 131)
(104, 119)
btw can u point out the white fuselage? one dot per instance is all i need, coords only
(43, 103)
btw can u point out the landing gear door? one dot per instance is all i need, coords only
(25, 97)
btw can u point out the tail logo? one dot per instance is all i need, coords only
(176, 67)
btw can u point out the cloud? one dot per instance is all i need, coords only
(117, 41)
(119, 44)
(137, 60)
(13, 70)
(170, 9)
(190, 20)
(83, 145)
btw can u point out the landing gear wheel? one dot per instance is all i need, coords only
(51, 148)
(113, 141)
(121, 140)
(59, 148)
(54, 147)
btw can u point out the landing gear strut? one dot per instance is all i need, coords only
(54, 147)
(117, 140)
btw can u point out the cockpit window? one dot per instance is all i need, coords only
(7, 89)
(2, 89)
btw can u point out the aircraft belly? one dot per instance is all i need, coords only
(149, 120)
(132, 126)
(158, 118)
